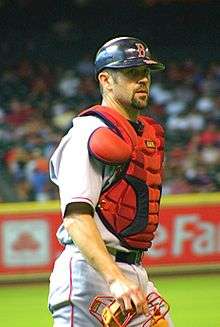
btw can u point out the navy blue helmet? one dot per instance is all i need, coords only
(123, 52)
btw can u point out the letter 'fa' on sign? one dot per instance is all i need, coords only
(141, 50)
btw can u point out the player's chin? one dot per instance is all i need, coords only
(140, 103)
(141, 96)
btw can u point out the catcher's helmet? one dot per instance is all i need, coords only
(123, 52)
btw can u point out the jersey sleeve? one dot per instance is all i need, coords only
(78, 176)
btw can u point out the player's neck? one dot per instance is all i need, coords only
(125, 112)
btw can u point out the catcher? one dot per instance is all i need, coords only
(109, 169)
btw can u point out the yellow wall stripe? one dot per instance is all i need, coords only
(167, 200)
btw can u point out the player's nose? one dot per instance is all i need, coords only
(143, 83)
(144, 80)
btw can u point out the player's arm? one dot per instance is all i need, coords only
(80, 225)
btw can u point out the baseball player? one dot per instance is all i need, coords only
(108, 169)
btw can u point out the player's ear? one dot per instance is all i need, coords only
(105, 80)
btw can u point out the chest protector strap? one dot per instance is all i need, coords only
(129, 207)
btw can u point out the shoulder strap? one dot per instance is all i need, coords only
(115, 121)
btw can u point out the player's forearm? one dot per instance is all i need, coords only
(84, 233)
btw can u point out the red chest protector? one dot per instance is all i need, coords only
(129, 207)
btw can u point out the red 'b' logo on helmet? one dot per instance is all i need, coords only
(140, 49)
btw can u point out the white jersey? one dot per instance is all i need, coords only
(80, 177)
(73, 282)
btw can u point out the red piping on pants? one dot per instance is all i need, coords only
(71, 289)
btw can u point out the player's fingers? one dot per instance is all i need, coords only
(127, 303)
(143, 299)
(139, 301)
(137, 304)
(145, 307)
(122, 304)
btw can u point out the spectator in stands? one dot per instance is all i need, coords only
(38, 102)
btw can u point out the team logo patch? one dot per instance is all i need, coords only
(141, 50)
(150, 144)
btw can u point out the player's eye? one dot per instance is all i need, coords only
(132, 72)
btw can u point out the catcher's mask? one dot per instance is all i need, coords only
(107, 310)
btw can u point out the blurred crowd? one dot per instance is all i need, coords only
(38, 101)
(187, 101)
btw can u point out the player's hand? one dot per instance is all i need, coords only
(129, 296)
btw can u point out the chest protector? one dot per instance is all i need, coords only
(129, 206)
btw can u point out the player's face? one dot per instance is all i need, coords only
(131, 87)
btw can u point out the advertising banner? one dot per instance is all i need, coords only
(188, 237)
(28, 243)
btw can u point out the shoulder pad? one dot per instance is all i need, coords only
(108, 147)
